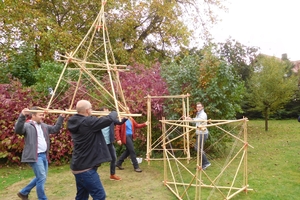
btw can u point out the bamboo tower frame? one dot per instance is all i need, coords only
(83, 58)
(197, 176)
(195, 183)
(154, 146)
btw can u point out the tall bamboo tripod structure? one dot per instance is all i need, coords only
(90, 61)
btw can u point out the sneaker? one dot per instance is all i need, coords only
(206, 166)
(22, 196)
(120, 167)
(138, 170)
(115, 178)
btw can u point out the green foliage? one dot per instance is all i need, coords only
(239, 56)
(139, 31)
(270, 86)
(208, 80)
(48, 75)
(21, 65)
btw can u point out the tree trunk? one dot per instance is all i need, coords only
(266, 114)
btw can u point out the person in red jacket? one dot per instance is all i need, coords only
(125, 134)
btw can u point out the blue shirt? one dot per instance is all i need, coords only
(105, 132)
(128, 127)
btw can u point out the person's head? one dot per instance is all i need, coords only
(84, 107)
(199, 106)
(103, 108)
(37, 116)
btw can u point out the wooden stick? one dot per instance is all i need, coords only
(99, 113)
(165, 97)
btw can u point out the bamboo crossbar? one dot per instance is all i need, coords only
(208, 186)
(98, 113)
(166, 97)
(79, 61)
(208, 121)
(100, 69)
(169, 158)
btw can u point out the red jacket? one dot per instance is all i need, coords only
(120, 130)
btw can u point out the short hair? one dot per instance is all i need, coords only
(82, 105)
(199, 103)
(33, 112)
(103, 108)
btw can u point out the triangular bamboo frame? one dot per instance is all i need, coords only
(196, 182)
(168, 157)
(83, 62)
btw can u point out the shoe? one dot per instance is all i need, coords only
(138, 170)
(120, 167)
(22, 196)
(114, 178)
(206, 166)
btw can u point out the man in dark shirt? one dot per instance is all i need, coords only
(90, 150)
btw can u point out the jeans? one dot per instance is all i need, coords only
(113, 155)
(89, 183)
(199, 139)
(129, 151)
(40, 169)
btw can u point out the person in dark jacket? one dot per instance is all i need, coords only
(36, 149)
(109, 136)
(89, 151)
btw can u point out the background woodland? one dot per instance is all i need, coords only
(155, 39)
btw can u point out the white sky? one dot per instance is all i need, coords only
(271, 25)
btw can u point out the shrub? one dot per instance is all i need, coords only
(13, 99)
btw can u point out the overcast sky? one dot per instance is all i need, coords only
(272, 25)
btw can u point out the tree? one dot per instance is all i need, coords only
(238, 55)
(139, 30)
(21, 66)
(209, 80)
(271, 86)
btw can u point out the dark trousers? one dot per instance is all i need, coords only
(201, 140)
(112, 152)
(89, 183)
(129, 152)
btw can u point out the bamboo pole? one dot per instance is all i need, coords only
(243, 141)
(184, 137)
(76, 89)
(236, 173)
(246, 155)
(164, 153)
(54, 91)
(187, 129)
(107, 65)
(168, 96)
(72, 112)
(149, 128)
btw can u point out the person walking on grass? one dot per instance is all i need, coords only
(89, 150)
(125, 134)
(109, 136)
(36, 149)
(201, 133)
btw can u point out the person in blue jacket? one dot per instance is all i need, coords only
(109, 136)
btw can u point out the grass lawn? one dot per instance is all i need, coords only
(273, 171)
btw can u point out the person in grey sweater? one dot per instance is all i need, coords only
(36, 148)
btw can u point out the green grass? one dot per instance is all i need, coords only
(273, 171)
